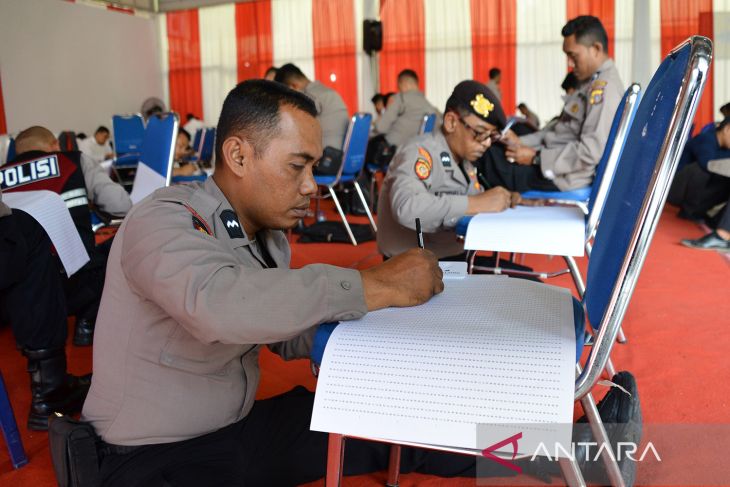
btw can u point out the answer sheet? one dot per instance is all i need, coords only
(549, 230)
(50, 211)
(488, 350)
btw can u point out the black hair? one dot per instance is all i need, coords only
(181, 130)
(494, 72)
(190, 116)
(570, 81)
(377, 97)
(408, 73)
(386, 97)
(102, 130)
(725, 109)
(522, 105)
(724, 123)
(251, 111)
(587, 30)
(288, 73)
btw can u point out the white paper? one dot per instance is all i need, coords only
(488, 350)
(453, 270)
(146, 181)
(550, 230)
(49, 209)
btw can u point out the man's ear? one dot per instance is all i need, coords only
(450, 121)
(237, 154)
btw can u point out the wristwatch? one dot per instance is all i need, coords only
(536, 159)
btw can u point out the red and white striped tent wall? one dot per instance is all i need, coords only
(208, 50)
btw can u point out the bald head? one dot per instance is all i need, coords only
(36, 139)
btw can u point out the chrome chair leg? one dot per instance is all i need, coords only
(610, 369)
(393, 466)
(335, 460)
(621, 338)
(365, 205)
(575, 274)
(599, 433)
(571, 472)
(342, 215)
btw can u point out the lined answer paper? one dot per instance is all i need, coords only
(50, 211)
(488, 349)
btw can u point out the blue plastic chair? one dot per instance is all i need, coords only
(630, 216)
(353, 159)
(206, 151)
(128, 131)
(10, 429)
(158, 150)
(428, 124)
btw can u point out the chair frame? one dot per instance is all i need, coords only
(331, 186)
(643, 230)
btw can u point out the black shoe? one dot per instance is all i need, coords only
(83, 333)
(711, 241)
(52, 389)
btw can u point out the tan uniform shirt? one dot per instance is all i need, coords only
(424, 181)
(331, 112)
(494, 87)
(185, 309)
(107, 195)
(403, 117)
(571, 148)
(4, 209)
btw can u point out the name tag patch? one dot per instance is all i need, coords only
(29, 172)
(231, 224)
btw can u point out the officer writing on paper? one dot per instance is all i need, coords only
(198, 281)
(564, 155)
(432, 178)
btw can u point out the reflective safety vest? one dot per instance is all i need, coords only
(59, 172)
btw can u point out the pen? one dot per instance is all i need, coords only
(419, 233)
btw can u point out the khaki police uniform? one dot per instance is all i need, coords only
(492, 85)
(571, 148)
(107, 195)
(424, 181)
(403, 117)
(331, 112)
(188, 302)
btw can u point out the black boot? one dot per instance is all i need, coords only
(52, 389)
(83, 332)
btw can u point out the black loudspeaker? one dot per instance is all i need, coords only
(372, 35)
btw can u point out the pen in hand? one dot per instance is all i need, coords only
(419, 233)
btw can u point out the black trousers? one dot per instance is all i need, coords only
(696, 190)
(494, 167)
(84, 288)
(272, 446)
(31, 293)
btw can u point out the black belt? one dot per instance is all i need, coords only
(106, 449)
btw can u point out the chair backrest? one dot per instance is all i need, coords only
(198, 141)
(634, 203)
(356, 143)
(67, 141)
(158, 150)
(615, 144)
(128, 132)
(428, 123)
(206, 151)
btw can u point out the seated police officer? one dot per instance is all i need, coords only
(32, 301)
(198, 281)
(432, 178)
(83, 289)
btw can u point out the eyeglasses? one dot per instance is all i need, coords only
(492, 135)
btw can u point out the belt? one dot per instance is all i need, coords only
(106, 449)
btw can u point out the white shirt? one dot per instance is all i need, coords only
(192, 126)
(91, 148)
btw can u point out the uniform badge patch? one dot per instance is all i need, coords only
(423, 170)
(231, 223)
(598, 84)
(481, 105)
(574, 108)
(445, 159)
(426, 156)
(596, 97)
(200, 226)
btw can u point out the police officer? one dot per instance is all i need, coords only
(32, 301)
(431, 177)
(332, 112)
(405, 110)
(198, 281)
(564, 156)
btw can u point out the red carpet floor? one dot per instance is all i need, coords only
(676, 326)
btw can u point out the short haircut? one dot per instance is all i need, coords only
(184, 132)
(725, 109)
(587, 30)
(494, 72)
(271, 69)
(377, 97)
(570, 81)
(34, 138)
(190, 116)
(407, 74)
(522, 105)
(288, 73)
(101, 130)
(251, 111)
(724, 123)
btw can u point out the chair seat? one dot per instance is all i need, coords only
(323, 180)
(324, 331)
(580, 194)
(127, 160)
(189, 179)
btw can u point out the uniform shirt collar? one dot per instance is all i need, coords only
(211, 188)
